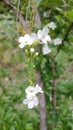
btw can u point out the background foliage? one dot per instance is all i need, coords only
(14, 75)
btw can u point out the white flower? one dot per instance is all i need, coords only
(46, 39)
(31, 101)
(46, 29)
(34, 37)
(38, 89)
(21, 45)
(21, 41)
(31, 98)
(32, 50)
(30, 91)
(37, 53)
(57, 41)
(26, 40)
(52, 25)
(46, 49)
(43, 35)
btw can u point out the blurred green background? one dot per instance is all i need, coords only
(13, 75)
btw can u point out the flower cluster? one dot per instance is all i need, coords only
(32, 40)
(42, 37)
(31, 96)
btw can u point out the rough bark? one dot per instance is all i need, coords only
(42, 104)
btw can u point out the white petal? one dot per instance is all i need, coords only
(30, 88)
(28, 39)
(44, 40)
(30, 91)
(25, 101)
(34, 37)
(30, 105)
(46, 30)
(27, 36)
(30, 42)
(21, 40)
(32, 101)
(39, 34)
(38, 89)
(29, 97)
(57, 41)
(21, 45)
(46, 49)
(48, 38)
(36, 101)
(52, 25)
(32, 50)
(37, 53)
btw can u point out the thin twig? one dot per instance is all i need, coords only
(54, 90)
(20, 17)
(66, 72)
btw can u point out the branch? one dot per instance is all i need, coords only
(36, 14)
(42, 100)
(37, 18)
(67, 32)
(20, 17)
(65, 73)
(54, 89)
(42, 103)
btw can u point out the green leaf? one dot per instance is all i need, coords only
(69, 14)
(63, 89)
